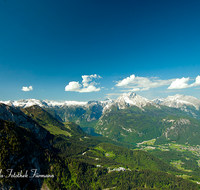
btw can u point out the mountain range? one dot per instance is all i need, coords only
(81, 112)
(126, 99)
(40, 134)
(130, 118)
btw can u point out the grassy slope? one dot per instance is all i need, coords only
(48, 121)
(134, 125)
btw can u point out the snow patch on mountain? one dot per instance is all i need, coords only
(181, 101)
(25, 103)
(158, 100)
(125, 100)
(132, 99)
(75, 103)
(107, 101)
(42, 103)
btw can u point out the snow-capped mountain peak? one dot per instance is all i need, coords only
(24, 103)
(123, 101)
(130, 94)
(132, 99)
(180, 101)
(126, 99)
(107, 100)
(158, 100)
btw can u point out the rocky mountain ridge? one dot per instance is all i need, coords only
(15, 115)
(93, 110)
(128, 99)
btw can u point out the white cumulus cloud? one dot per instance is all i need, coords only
(87, 84)
(88, 78)
(142, 83)
(24, 88)
(197, 81)
(73, 86)
(90, 88)
(180, 83)
(134, 83)
(126, 81)
(183, 83)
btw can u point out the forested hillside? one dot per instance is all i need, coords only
(75, 160)
(134, 125)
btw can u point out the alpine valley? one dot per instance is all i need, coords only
(127, 143)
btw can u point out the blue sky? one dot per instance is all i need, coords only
(89, 50)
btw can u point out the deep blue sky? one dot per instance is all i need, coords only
(47, 44)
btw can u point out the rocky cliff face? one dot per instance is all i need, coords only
(188, 104)
(91, 111)
(13, 114)
(21, 155)
(181, 101)
(128, 100)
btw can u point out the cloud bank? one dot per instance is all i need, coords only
(145, 83)
(24, 88)
(183, 83)
(142, 83)
(87, 84)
